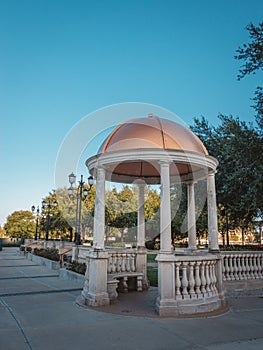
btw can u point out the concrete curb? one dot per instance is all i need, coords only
(71, 276)
(50, 264)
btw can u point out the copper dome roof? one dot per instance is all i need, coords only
(152, 132)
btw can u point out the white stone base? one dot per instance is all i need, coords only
(95, 287)
(187, 307)
(97, 299)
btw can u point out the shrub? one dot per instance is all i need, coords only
(150, 245)
(49, 253)
(157, 246)
(77, 267)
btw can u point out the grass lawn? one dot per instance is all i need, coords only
(152, 274)
(151, 258)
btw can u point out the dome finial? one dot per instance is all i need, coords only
(150, 115)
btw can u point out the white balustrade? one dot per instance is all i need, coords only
(83, 252)
(121, 261)
(242, 265)
(195, 278)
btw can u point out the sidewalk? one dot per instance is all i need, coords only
(38, 312)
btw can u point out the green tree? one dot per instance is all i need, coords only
(123, 210)
(2, 232)
(178, 211)
(68, 206)
(20, 224)
(252, 56)
(53, 218)
(238, 147)
(152, 213)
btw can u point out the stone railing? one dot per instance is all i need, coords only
(82, 254)
(196, 277)
(242, 265)
(121, 261)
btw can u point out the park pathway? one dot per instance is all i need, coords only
(38, 312)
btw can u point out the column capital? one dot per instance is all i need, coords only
(100, 167)
(165, 162)
(190, 182)
(212, 173)
(140, 183)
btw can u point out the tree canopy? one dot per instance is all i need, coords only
(238, 147)
(252, 56)
(20, 224)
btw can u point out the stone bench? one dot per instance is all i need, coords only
(118, 282)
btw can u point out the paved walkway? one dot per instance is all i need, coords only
(38, 312)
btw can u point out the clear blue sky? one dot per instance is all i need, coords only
(62, 59)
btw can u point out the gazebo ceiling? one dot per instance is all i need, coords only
(135, 148)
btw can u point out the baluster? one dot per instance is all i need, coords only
(223, 269)
(123, 265)
(212, 277)
(197, 279)
(227, 268)
(113, 266)
(178, 295)
(191, 280)
(203, 279)
(243, 267)
(255, 266)
(235, 267)
(128, 262)
(251, 266)
(133, 266)
(208, 280)
(239, 268)
(247, 266)
(260, 270)
(231, 269)
(215, 276)
(185, 281)
(117, 262)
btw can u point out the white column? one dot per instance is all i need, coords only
(141, 217)
(99, 216)
(191, 216)
(165, 209)
(212, 213)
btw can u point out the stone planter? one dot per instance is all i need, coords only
(50, 264)
(71, 275)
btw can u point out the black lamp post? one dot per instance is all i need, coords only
(37, 215)
(80, 192)
(46, 208)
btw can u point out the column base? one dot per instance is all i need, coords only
(75, 253)
(95, 288)
(96, 300)
(214, 251)
(191, 251)
(142, 265)
(191, 308)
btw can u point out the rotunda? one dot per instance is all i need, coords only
(154, 150)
